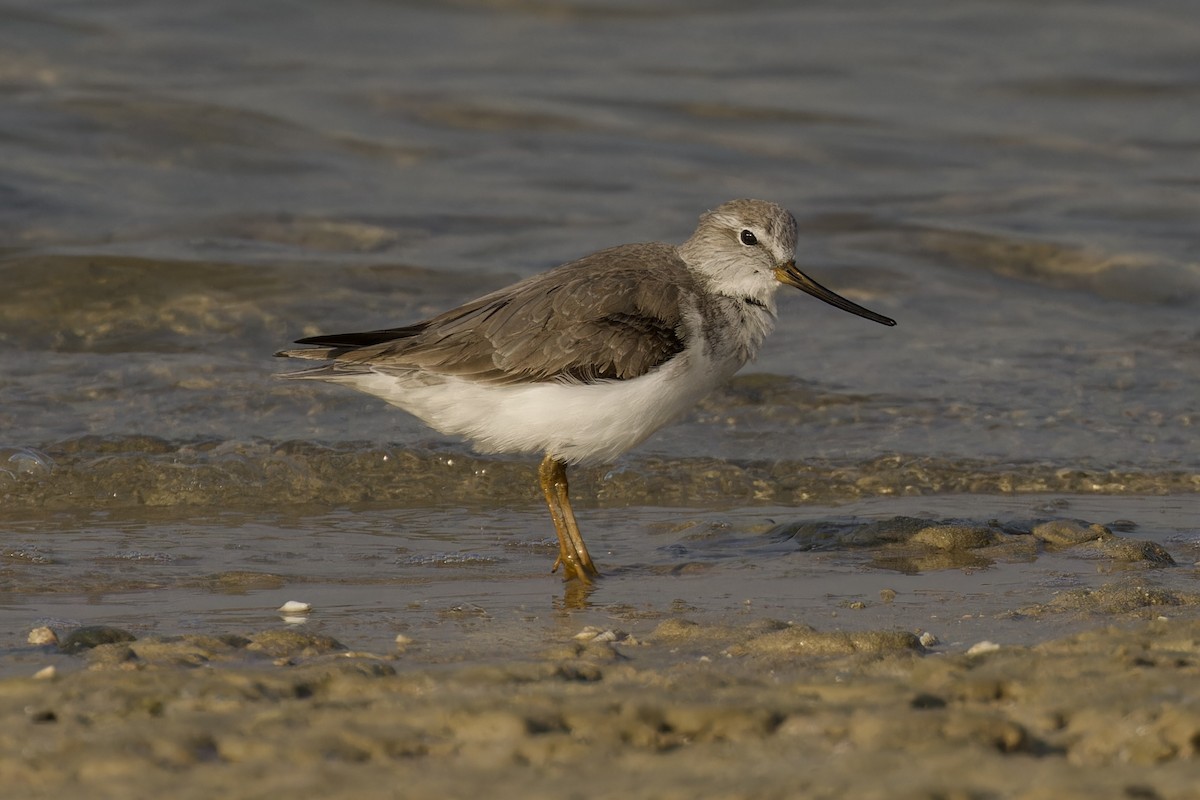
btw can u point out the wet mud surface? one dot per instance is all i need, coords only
(914, 657)
(758, 709)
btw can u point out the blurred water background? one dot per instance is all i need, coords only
(185, 188)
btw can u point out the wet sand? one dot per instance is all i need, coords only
(677, 701)
(757, 710)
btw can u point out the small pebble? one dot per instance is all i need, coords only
(979, 648)
(927, 639)
(295, 607)
(42, 635)
(402, 640)
(593, 634)
(46, 673)
(887, 595)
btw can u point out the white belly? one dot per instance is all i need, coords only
(574, 422)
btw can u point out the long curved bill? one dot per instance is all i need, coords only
(793, 277)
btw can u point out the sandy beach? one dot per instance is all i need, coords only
(762, 709)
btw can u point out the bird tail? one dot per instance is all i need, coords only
(328, 370)
(310, 353)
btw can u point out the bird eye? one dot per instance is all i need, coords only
(748, 238)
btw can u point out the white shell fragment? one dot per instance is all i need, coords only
(587, 634)
(598, 635)
(46, 673)
(295, 607)
(979, 648)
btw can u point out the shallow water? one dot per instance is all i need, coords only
(185, 190)
(474, 584)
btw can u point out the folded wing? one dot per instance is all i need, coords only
(583, 322)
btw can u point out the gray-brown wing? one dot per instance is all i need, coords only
(612, 315)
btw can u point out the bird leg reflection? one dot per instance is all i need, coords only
(572, 552)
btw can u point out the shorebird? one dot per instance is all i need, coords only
(585, 361)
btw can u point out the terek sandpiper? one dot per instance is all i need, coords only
(585, 361)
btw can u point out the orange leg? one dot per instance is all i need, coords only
(572, 552)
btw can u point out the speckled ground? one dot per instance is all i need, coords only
(761, 709)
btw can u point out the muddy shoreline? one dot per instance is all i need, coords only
(761, 708)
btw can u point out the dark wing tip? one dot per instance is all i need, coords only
(331, 339)
(362, 338)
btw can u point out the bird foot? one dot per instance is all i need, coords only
(573, 569)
